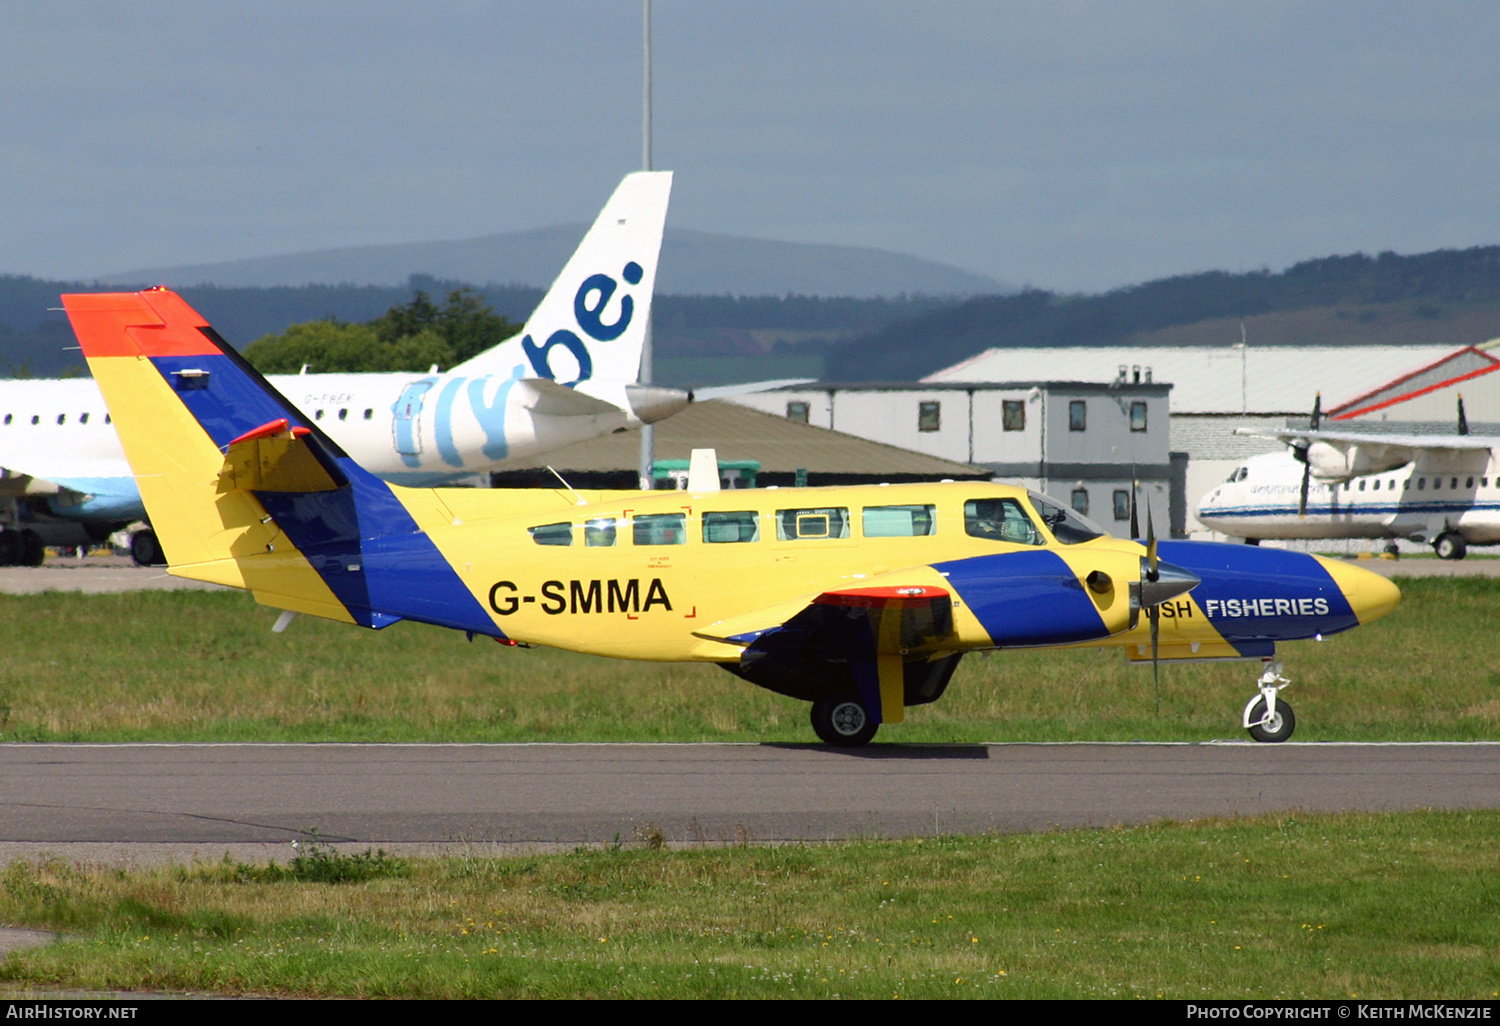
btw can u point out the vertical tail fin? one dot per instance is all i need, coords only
(243, 491)
(591, 324)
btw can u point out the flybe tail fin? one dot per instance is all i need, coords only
(591, 324)
(243, 491)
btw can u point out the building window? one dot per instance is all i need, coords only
(929, 416)
(1081, 500)
(1013, 415)
(1137, 416)
(1078, 415)
(1122, 504)
(797, 411)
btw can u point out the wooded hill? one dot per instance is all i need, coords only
(1443, 297)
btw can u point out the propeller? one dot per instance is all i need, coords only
(1463, 422)
(1300, 452)
(1160, 582)
(1153, 576)
(1135, 523)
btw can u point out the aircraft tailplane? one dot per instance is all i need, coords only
(243, 490)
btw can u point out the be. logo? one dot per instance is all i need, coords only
(589, 303)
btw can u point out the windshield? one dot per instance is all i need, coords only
(1068, 526)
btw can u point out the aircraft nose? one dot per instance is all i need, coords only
(1369, 594)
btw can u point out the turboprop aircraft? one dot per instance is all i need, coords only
(860, 600)
(1439, 490)
(569, 375)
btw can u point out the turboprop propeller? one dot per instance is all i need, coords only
(1300, 452)
(1160, 582)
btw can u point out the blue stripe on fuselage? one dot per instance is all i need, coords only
(1025, 598)
(1251, 593)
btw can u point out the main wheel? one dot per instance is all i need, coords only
(33, 549)
(145, 549)
(843, 722)
(1450, 545)
(1281, 726)
(10, 547)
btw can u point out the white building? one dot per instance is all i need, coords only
(1216, 389)
(1080, 442)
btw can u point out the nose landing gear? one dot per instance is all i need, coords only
(1268, 720)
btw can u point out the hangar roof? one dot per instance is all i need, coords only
(1214, 379)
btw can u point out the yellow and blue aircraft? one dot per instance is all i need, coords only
(860, 600)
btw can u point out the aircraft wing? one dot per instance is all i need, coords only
(1343, 439)
(888, 640)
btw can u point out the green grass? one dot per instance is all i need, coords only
(1395, 906)
(200, 666)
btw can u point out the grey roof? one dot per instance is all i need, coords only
(740, 433)
(1215, 379)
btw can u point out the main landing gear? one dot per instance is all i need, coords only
(1450, 545)
(1269, 720)
(843, 722)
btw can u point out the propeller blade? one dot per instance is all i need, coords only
(1153, 564)
(1155, 613)
(1463, 422)
(1135, 522)
(1317, 413)
(1302, 495)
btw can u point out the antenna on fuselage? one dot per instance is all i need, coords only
(581, 500)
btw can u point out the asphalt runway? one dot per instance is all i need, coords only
(144, 803)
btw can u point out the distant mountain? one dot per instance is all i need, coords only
(693, 263)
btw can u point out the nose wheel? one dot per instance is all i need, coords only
(1267, 718)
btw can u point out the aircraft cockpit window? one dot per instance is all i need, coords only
(599, 532)
(727, 528)
(1239, 474)
(899, 521)
(1068, 526)
(552, 534)
(660, 529)
(812, 524)
(1000, 520)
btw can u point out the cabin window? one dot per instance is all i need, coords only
(1376, 485)
(35, 419)
(106, 418)
(1078, 415)
(1080, 500)
(729, 528)
(1469, 483)
(1000, 520)
(599, 532)
(797, 411)
(1013, 415)
(7, 418)
(343, 414)
(83, 418)
(1437, 483)
(898, 521)
(1361, 484)
(1347, 486)
(660, 529)
(812, 524)
(1122, 503)
(62, 418)
(1421, 483)
(1453, 482)
(318, 415)
(369, 414)
(929, 416)
(552, 534)
(1138, 416)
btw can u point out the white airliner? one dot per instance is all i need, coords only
(1439, 490)
(569, 375)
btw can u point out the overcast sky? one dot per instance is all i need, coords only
(1074, 146)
